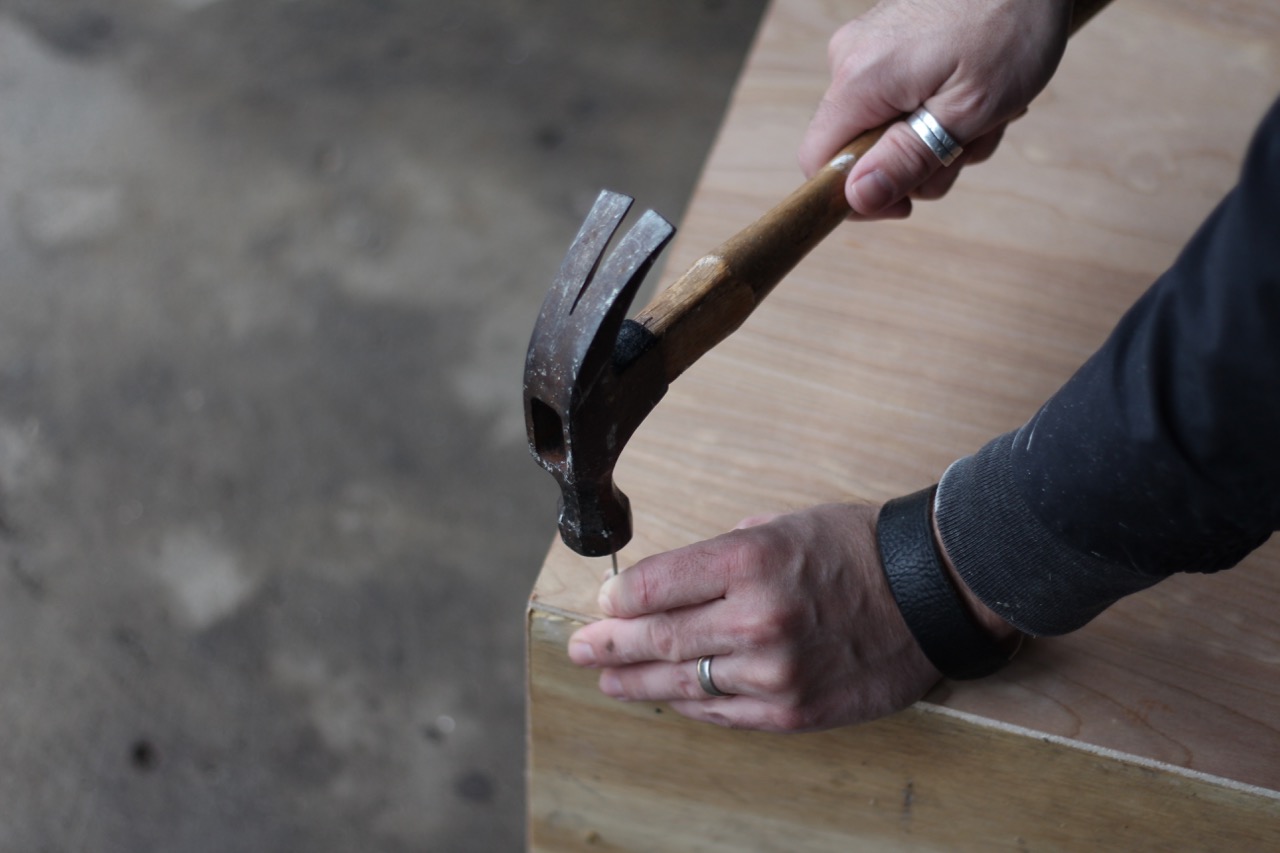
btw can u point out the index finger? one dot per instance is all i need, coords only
(690, 575)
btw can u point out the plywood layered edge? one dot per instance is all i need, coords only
(636, 776)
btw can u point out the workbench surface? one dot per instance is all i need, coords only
(896, 348)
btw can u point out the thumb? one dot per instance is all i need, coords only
(899, 162)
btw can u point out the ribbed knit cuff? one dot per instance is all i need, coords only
(1010, 560)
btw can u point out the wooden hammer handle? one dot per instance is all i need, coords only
(713, 298)
(717, 294)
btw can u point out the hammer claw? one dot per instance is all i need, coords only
(602, 305)
(583, 258)
(582, 404)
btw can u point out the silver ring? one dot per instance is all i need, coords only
(942, 144)
(704, 677)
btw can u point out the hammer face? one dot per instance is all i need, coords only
(582, 402)
(595, 518)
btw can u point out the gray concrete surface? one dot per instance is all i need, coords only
(267, 521)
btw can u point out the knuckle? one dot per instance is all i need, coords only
(742, 552)
(750, 552)
(976, 103)
(840, 45)
(772, 682)
(851, 58)
(686, 684)
(834, 49)
(910, 162)
(756, 520)
(765, 628)
(737, 559)
(781, 678)
(724, 720)
(845, 68)
(643, 592)
(664, 640)
(775, 624)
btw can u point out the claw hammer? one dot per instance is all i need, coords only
(592, 376)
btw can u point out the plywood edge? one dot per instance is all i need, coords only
(637, 776)
(1100, 751)
(552, 611)
(575, 620)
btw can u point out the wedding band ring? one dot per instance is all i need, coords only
(933, 134)
(704, 677)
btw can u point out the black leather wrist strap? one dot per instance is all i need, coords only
(931, 605)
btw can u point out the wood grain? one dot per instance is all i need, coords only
(895, 348)
(638, 777)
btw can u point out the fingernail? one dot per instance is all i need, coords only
(611, 686)
(582, 654)
(873, 191)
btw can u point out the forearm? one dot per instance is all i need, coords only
(1160, 455)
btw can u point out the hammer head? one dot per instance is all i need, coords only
(590, 378)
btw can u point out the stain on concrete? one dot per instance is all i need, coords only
(474, 786)
(143, 755)
(202, 577)
(54, 218)
(78, 33)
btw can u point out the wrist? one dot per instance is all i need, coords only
(990, 621)
(957, 633)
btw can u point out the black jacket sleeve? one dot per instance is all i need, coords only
(1162, 453)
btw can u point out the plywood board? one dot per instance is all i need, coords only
(638, 777)
(897, 347)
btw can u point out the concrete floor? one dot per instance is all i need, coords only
(267, 520)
